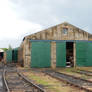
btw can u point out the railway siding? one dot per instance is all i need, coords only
(76, 73)
(81, 83)
(50, 84)
(18, 83)
(88, 73)
(1, 78)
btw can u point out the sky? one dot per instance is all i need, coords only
(19, 18)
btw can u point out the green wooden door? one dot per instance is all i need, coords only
(61, 54)
(9, 56)
(40, 54)
(84, 53)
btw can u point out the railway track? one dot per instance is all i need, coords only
(16, 82)
(75, 81)
(88, 73)
(2, 88)
(3, 85)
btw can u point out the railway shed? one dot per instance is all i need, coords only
(63, 45)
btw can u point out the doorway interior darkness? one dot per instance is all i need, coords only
(69, 54)
(1, 56)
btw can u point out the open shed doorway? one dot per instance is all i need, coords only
(69, 54)
(1, 56)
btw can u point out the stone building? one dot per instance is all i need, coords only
(57, 46)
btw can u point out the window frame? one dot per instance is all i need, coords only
(65, 31)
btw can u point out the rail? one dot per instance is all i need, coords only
(66, 78)
(5, 85)
(29, 81)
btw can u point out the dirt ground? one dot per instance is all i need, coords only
(47, 82)
(85, 68)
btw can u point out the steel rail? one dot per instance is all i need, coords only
(6, 88)
(64, 80)
(30, 82)
(84, 72)
(35, 87)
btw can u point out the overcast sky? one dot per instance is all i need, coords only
(19, 18)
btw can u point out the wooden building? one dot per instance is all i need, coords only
(63, 45)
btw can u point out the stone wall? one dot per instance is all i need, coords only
(26, 52)
(90, 38)
(20, 56)
(56, 33)
(53, 55)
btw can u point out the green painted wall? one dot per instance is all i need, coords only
(41, 54)
(9, 56)
(60, 54)
(84, 53)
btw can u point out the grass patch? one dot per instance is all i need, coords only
(73, 72)
(38, 80)
(49, 83)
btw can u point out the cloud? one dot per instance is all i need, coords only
(4, 43)
(11, 27)
(23, 17)
(52, 12)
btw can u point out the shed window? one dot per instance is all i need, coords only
(65, 30)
